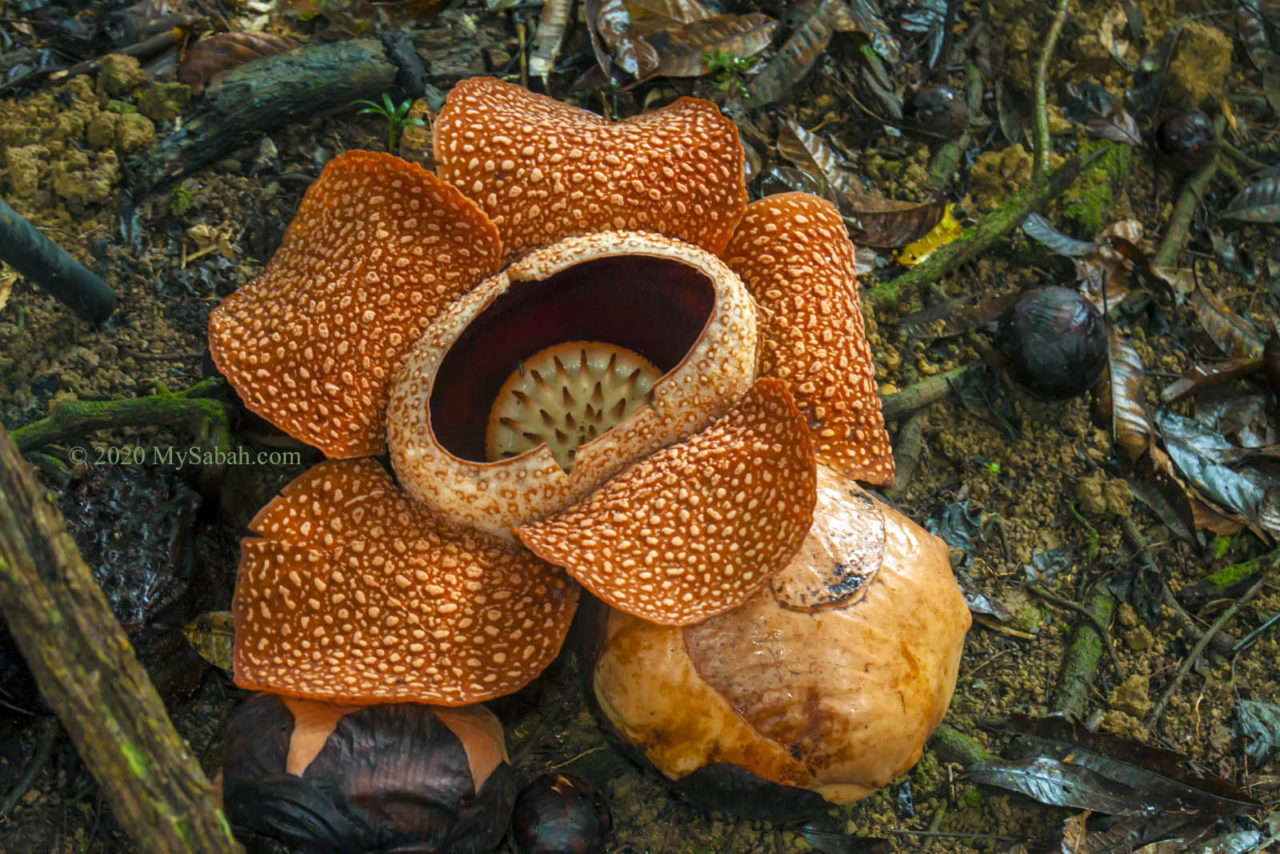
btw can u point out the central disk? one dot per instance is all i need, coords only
(566, 395)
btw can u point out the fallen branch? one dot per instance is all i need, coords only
(901, 404)
(908, 446)
(48, 265)
(954, 746)
(994, 226)
(193, 407)
(1080, 662)
(268, 93)
(1100, 627)
(86, 671)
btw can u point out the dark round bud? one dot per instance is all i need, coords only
(560, 814)
(1057, 342)
(938, 110)
(1187, 141)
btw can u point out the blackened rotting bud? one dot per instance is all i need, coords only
(1187, 141)
(1057, 342)
(938, 110)
(305, 776)
(560, 814)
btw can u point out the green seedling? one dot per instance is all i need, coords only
(397, 116)
(1092, 531)
(726, 68)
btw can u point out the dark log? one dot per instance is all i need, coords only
(266, 94)
(87, 672)
(48, 265)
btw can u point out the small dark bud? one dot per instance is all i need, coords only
(1187, 141)
(938, 110)
(560, 814)
(1056, 341)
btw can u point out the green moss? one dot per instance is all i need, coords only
(1090, 198)
(884, 293)
(1230, 576)
(1027, 619)
(137, 760)
(972, 799)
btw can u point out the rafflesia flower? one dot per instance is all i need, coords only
(592, 362)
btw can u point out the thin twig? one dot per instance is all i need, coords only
(1197, 650)
(48, 735)
(1041, 117)
(1104, 632)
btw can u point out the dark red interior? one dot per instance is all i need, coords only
(656, 307)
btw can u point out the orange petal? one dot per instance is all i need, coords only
(794, 254)
(378, 247)
(356, 594)
(698, 527)
(543, 170)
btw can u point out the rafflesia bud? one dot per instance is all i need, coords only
(1056, 341)
(305, 776)
(560, 814)
(1187, 141)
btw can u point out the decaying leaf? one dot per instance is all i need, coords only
(1198, 452)
(682, 49)
(1153, 777)
(957, 316)
(1100, 113)
(1258, 202)
(212, 58)
(1042, 231)
(1259, 724)
(1057, 783)
(1123, 400)
(212, 635)
(810, 152)
(796, 56)
(1181, 281)
(617, 39)
(781, 179)
(946, 230)
(550, 35)
(1205, 376)
(1236, 336)
(650, 16)
(1110, 266)
(886, 222)
(860, 16)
